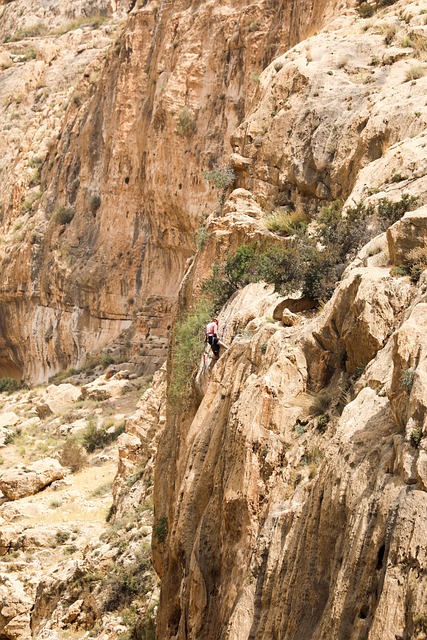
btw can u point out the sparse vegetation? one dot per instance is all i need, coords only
(95, 437)
(38, 29)
(300, 265)
(64, 215)
(187, 347)
(9, 385)
(72, 455)
(125, 582)
(407, 378)
(285, 222)
(160, 529)
(416, 261)
(416, 437)
(414, 72)
(79, 23)
(185, 123)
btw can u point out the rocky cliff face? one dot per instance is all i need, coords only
(295, 493)
(121, 180)
(289, 495)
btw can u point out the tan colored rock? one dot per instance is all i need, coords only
(105, 387)
(289, 318)
(20, 482)
(8, 419)
(57, 398)
(408, 233)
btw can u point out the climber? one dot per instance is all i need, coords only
(212, 338)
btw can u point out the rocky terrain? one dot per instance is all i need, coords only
(162, 162)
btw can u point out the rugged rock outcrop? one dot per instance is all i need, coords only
(25, 481)
(166, 96)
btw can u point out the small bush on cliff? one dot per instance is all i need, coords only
(310, 263)
(185, 123)
(188, 342)
(64, 215)
(285, 222)
(416, 260)
(127, 582)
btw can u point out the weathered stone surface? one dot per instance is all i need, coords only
(406, 234)
(19, 482)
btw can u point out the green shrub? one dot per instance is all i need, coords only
(9, 385)
(64, 215)
(127, 582)
(188, 342)
(221, 177)
(390, 212)
(407, 378)
(160, 529)
(95, 437)
(366, 10)
(416, 261)
(399, 271)
(416, 437)
(185, 123)
(285, 222)
(72, 455)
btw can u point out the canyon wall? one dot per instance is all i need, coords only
(294, 492)
(122, 121)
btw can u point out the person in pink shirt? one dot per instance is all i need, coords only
(212, 337)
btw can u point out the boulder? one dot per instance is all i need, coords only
(25, 481)
(8, 419)
(57, 398)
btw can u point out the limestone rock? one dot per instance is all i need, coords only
(57, 398)
(406, 234)
(25, 481)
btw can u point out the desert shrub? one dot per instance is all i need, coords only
(92, 21)
(188, 342)
(95, 437)
(390, 212)
(95, 202)
(285, 222)
(127, 582)
(322, 423)
(416, 437)
(221, 177)
(72, 455)
(320, 404)
(399, 271)
(415, 72)
(62, 536)
(201, 236)
(160, 529)
(64, 215)
(366, 10)
(185, 124)
(416, 260)
(9, 385)
(407, 378)
(38, 29)
(389, 34)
